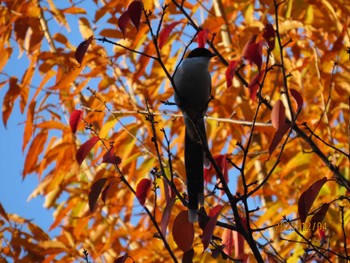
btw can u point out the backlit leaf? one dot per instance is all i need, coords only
(142, 190)
(165, 32)
(210, 226)
(85, 148)
(230, 72)
(297, 97)
(110, 157)
(202, 38)
(9, 99)
(308, 197)
(278, 114)
(74, 119)
(254, 84)
(183, 231)
(277, 137)
(253, 51)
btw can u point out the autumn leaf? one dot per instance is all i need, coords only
(9, 99)
(166, 215)
(165, 33)
(135, 12)
(278, 114)
(85, 148)
(142, 190)
(210, 226)
(123, 21)
(308, 197)
(183, 231)
(255, 84)
(110, 157)
(95, 191)
(253, 51)
(122, 259)
(81, 49)
(74, 119)
(269, 36)
(230, 72)
(297, 97)
(317, 218)
(202, 37)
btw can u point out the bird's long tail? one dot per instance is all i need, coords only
(194, 160)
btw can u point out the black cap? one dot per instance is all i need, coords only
(200, 52)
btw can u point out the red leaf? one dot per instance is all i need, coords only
(253, 51)
(227, 240)
(81, 49)
(122, 259)
(135, 12)
(238, 245)
(308, 197)
(298, 98)
(319, 216)
(222, 163)
(110, 157)
(278, 114)
(142, 190)
(202, 37)
(85, 148)
(183, 231)
(269, 36)
(123, 21)
(95, 191)
(230, 72)
(277, 137)
(254, 84)
(210, 226)
(74, 119)
(165, 33)
(166, 215)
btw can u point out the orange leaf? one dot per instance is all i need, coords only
(9, 99)
(74, 119)
(3, 212)
(81, 49)
(85, 148)
(142, 190)
(183, 231)
(308, 197)
(210, 226)
(95, 191)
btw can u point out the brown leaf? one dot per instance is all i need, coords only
(95, 191)
(183, 231)
(210, 226)
(278, 114)
(74, 119)
(308, 197)
(165, 33)
(135, 11)
(277, 137)
(85, 148)
(81, 49)
(319, 216)
(188, 256)
(3, 212)
(142, 190)
(166, 215)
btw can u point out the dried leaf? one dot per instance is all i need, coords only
(165, 33)
(142, 190)
(183, 231)
(230, 72)
(95, 191)
(74, 119)
(210, 226)
(81, 49)
(308, 197)
(135, 12)
(85, 148)
(110, 157)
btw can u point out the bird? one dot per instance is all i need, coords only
(192, 82)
